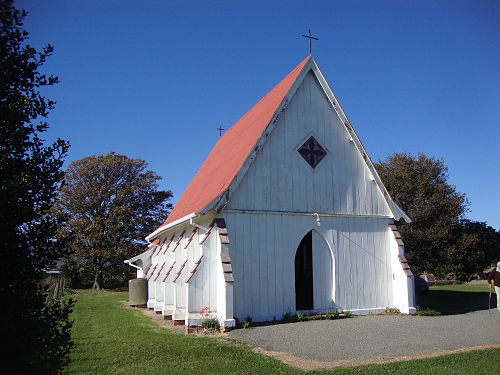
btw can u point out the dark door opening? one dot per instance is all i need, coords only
(304, 274)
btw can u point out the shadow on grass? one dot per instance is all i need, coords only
(450, 302)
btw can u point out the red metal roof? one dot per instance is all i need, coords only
(227, 157)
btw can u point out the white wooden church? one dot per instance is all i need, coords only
(286, 214)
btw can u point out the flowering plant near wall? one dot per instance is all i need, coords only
(205, 312)
(209, 323)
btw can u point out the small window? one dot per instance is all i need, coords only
(312, 152)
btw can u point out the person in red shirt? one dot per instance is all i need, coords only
(494, 279)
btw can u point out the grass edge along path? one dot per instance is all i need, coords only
(110, 339)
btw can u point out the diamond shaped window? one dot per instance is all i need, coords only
(312, 152)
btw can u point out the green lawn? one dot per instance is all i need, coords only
(456, 299)
(114, 340)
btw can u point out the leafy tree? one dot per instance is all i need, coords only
(113, 204)
(476, 247)
(37, 335)
(419, 185)
(439, 239)
(487, 239)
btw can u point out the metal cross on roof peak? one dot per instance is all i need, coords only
(310, 37)
(220, 129)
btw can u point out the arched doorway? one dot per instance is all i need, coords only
(304, 288)
(314, 274)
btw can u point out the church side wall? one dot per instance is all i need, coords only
(159, 286)
(263, 250)
(151, 283)
(168, 285)
(280, 179)
(404, 287)
(180, 286)
(203, 285)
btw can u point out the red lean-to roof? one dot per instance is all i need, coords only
(227, 157)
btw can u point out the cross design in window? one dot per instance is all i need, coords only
(312, 152)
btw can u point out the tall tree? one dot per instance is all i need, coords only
(37, 334)
(419, 185)
(476, 247)
(113, 203)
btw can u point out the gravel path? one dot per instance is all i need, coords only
(375, 337)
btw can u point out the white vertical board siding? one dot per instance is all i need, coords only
(213, 258)
(151, 283)
(364, 267)
(178, 262)
(151, 292)
(168, 284)
(257, 251)
(323, 277)
(403, 291)
(159, 286)
(203, 285)
(264, 263)
(280, 179)
(180, 285)
(191, 250)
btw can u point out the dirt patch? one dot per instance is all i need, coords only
(169, 324)
(306, 364)
(158, 319)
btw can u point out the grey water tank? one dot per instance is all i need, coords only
(138, 292)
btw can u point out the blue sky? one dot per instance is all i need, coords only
(154, 79)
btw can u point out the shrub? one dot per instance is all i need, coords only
(427, 312)
(208, 322)
(287, 316)
(392, 310)
(248, 322)
(212, 324)
(329, 315)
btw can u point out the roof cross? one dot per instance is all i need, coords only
(220, 129)
(310, 37)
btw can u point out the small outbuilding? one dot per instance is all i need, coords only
(287, 214)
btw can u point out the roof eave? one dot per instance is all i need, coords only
(169, 226)
(144, 255)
